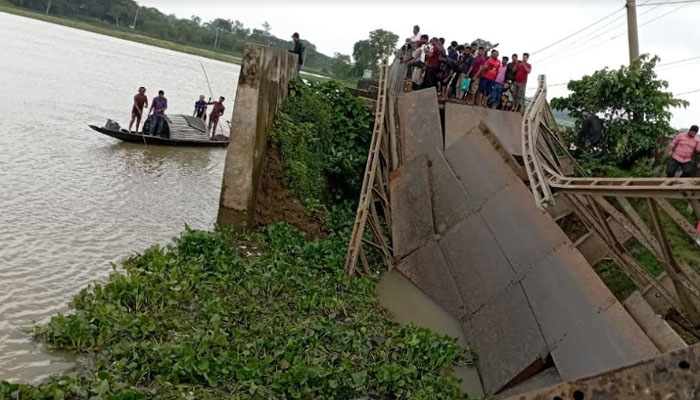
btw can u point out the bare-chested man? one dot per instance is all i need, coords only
(140, 101)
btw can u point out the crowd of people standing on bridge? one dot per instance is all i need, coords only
(469, 73)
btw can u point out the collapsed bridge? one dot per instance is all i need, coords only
(471, 198)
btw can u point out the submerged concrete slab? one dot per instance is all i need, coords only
(420, 129)
(526, 235)
(461, 118)
(262, 87)
(427, 269)
(450, 202)
(565, 293)
(611, 341)
(480, 269)
(411, 218)
(507, 339)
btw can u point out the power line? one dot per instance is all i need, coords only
(678, 61)
(688, 92)
(670, 2)
(579, 31)
(589, 38)
(663, 15)
(624, 32)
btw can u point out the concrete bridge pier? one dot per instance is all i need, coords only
(262, 87)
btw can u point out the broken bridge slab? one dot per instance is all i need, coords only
(461, 118)
(420, 128)
(507, 338)
(427, 269)
(412, 226)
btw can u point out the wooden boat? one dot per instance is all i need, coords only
(178, 130)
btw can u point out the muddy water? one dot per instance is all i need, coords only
(408, 305)
(73, 201)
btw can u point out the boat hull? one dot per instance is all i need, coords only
(157, 140)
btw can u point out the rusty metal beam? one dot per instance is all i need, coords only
(672, 268)
(673, 375)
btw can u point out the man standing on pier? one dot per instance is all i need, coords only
(298, 50)
(216, 112)
(140, 101)
(158, 107)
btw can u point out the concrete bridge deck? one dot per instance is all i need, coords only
(467, 233)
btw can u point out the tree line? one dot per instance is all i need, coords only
(221, 35)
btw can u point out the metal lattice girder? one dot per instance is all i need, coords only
(373, 188)
(673, 375)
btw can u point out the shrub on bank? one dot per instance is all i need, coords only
(270, 316)
(323, 133)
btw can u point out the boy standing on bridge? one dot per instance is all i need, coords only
(522, 70)
(683, 149)
(477, 69)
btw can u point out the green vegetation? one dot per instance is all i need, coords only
(323, 134)
(265, 315)
(634, 107)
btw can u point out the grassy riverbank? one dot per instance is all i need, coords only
(265, 315)
(128, 34)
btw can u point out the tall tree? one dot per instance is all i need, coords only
(368, 52)
(340, 65)
(633, 103)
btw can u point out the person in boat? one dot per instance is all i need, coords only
(216, 112)
(158, 107)
(140, 101)
(200, 108)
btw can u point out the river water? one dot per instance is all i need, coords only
(73, 201)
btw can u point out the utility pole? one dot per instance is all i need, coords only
(216, 39)
(133, 26)
(632, 33)
(48, 7)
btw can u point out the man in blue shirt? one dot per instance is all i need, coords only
(158, 107)
(200, 108)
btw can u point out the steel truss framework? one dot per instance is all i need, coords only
(637, 204)
(374, 207)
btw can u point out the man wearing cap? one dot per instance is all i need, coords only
(298, 50)
(683, 149)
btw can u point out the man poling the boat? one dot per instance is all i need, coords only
(216, 112)
(140, 101)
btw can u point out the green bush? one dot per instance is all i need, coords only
(270, 316)
(323, 133)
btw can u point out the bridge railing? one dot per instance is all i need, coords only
(646, 210)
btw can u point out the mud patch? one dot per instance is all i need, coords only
(276, 203)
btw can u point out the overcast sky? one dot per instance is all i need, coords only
(519, 26)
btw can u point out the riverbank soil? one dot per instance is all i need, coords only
(276, 203)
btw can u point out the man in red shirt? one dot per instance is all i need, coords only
(683, 149)
(477, 69)
(489, 75)
(432, 64)
(216, 112)
(522, 70)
